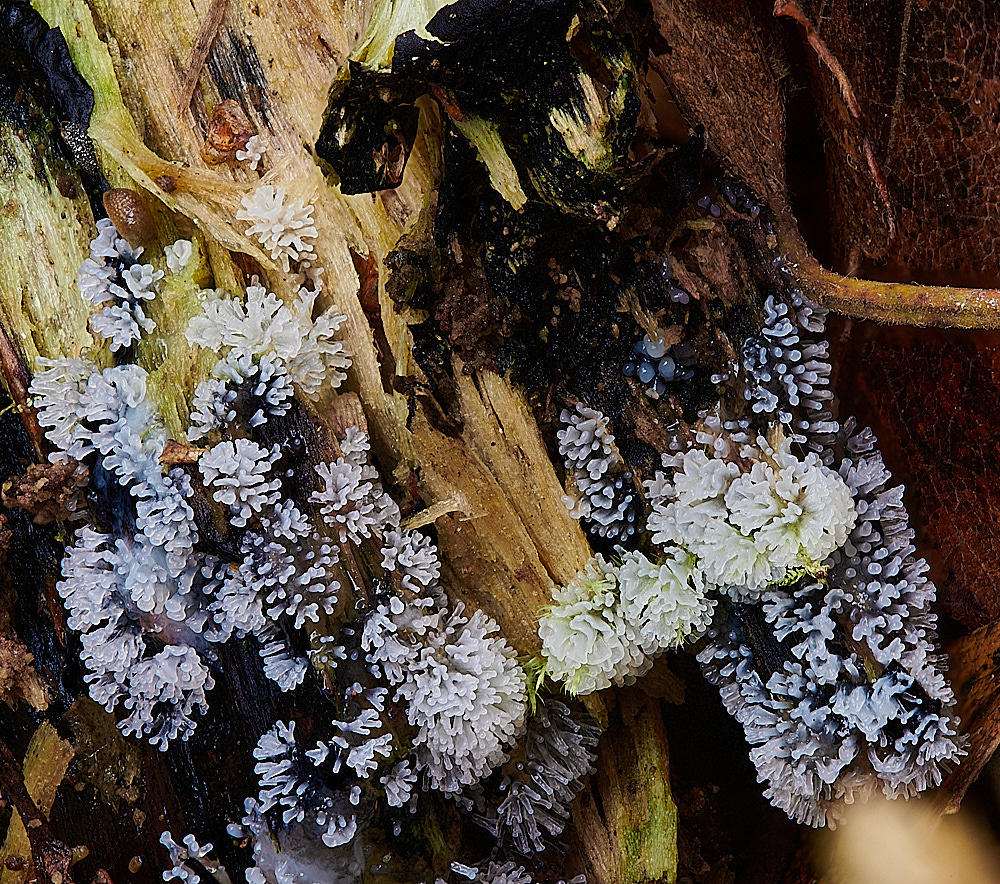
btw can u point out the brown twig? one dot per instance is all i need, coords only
(17, 381)
(199, 52)
(791, 9)
(889, 302)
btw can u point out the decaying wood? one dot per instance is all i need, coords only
(975, 676)
(492, 494)
(512, 539)
(32, 794)
(626, 822)
(479, 466)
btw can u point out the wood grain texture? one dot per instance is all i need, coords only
(975, 676)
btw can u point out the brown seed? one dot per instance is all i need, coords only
(130, 215)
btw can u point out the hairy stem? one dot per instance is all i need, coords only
(889, 302)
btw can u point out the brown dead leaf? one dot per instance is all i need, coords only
(927, 79)
(975, 676)
(712, 54)
(933, 397)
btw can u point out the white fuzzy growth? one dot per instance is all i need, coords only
(96, 275)
(280, 665)
(87, 410)
(178, 254)
(463, 688)
(316, 358)
(180, 854)
(787, 375)
(175, 677)
(825, 730)
(666, 604)
(255, 149)
(164, 516)
(285, 781)
(749, 530)
(264, 324)
(798, 511)
(126, 428)
(290, 566)
(355, 446)
(117, 588)
(120, 285)
(263, 380)
(466, 696)
(275, 755)
(110, 244)
(107, 412)
(501, 873)
(414, 556)
(211, 409)
(266, 379)
(598, 489)
(121, 324)
(399, 783)
(58, 390)
(586, 441)
(111, 586)
(363, 757)
(586, 640)
(287, 571)
(139, 280)
(260, 323)
(351, 500)
(238, 608)
(588, 446)
(237, 471)
(281, 226)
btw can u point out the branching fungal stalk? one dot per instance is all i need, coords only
(113, 278)
(463, 688)
(777, 533)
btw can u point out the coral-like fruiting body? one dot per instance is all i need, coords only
(281, 225)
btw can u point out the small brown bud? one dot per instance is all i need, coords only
(228, 131)
(66, 186)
